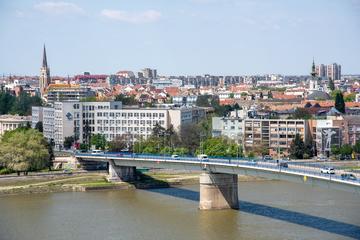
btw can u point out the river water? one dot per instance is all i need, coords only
(268, 210)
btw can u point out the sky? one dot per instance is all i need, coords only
(179, 37)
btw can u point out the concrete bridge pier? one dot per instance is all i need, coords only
(121, 173)
(218, 191)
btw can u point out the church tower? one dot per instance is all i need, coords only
(44, 79)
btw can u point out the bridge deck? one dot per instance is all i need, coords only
(294, 172)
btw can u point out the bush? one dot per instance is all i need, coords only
(5, 171)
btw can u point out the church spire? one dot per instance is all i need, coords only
(313, 69)
(44, 63)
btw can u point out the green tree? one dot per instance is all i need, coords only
(126, 100)
(39, 126)
(237, 106)
(6, 102)
(350, 97)
(356, 147)
(120, 143)
(203, 101)
(346, 149)
(23, 150)
(309, 148)
(231, 95)
(99, 141)
(300, 113)
(339, 102)
(297, 147)
(23, 104)
(331, 85)
(335, 150)
(68, 142)
(219, 146)
(181, 151)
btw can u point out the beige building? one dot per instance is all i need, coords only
(274, 134)
(11, 122)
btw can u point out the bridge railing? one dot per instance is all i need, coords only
(303, 169)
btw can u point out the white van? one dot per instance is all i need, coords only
(203, 157)
(96, 151)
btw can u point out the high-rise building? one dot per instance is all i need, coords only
(320, 70)
(333, 71)
(44, 79)
(149, 73)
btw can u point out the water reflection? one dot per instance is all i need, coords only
(209, 219)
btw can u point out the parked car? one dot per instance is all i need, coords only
(328, 170)
(348, 176)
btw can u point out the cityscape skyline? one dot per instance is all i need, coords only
(227, 38)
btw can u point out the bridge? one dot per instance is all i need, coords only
(218, 180)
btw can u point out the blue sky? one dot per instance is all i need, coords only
(179, 36)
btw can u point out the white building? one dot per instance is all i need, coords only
(11, 122)
(46, 116)
(82, 119)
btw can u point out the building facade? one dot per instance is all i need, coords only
(46, 116)
(231, 127)
(83, 119)
(68, 92)
(11, 122)
(333, 71)
(274, 134)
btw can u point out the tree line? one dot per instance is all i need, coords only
(21, 105)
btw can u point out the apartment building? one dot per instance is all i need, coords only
(274, 134)
(231, 127)
(82, 119)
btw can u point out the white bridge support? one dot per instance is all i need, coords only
(218, 191)
(121, 173)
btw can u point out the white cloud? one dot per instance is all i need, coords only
(57, 8)
(132, 17)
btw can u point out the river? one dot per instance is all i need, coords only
(268, 210)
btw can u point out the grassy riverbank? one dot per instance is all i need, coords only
(96, 181)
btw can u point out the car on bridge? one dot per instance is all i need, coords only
(267, 158)
(95, 151)
(175, 156)
(283, 165)
(203, 157)
(322, 158)
(348, 176)
(328, 170)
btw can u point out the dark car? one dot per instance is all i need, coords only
(283, 165)
(348, 176)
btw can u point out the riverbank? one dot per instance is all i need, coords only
(87, 181)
